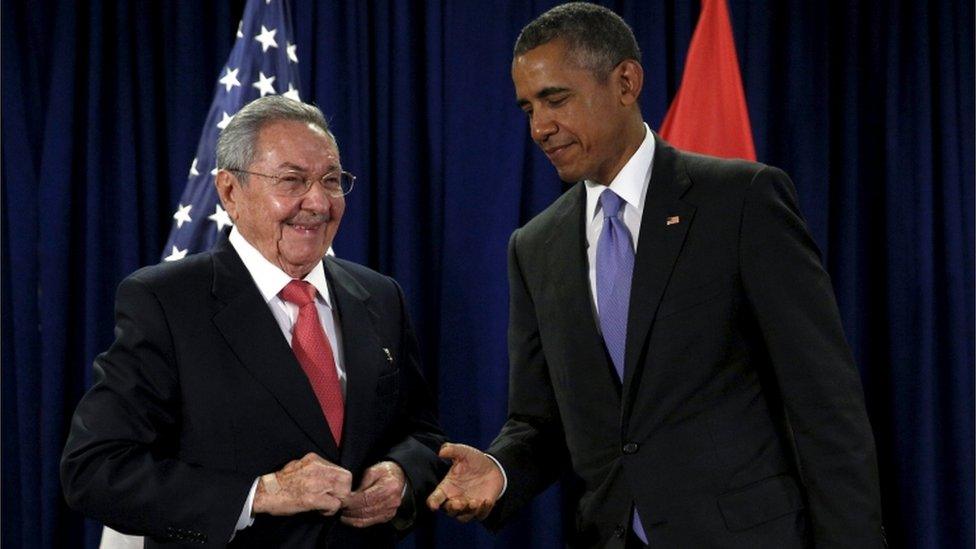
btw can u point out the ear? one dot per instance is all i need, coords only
(630, 77)
(229, 190)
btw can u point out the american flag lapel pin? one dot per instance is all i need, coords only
(673, 220)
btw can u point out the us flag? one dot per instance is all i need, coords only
(264, 61)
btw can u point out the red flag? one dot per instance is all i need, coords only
(709, 113)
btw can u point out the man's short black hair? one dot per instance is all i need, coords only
(597, 37)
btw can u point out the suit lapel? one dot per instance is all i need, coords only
(568, 269)
(658, 247)
(252, 333)
(363, 358)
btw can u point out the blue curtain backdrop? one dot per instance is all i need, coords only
(868, 105)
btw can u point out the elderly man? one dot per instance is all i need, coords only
(673, 337)
(258, 395)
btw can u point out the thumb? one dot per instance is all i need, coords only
(370, 477)
(455, 452)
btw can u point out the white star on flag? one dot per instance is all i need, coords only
(224, 120)
(175, 255)
(248, 72)
(220, 217)
(182, 215)
(292, 93)
(267, 38)
(264, 84)
(230, 80)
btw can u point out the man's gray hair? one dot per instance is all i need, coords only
(237, 142)
(597, 37)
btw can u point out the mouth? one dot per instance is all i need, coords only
(306, 228)
(557, 153)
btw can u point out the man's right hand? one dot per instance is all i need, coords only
(471, 486)
(308, 484)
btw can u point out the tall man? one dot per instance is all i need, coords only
(251, 388)
(673, 337)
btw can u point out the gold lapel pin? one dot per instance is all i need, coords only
(673, 220)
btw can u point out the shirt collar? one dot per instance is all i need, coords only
(631, 182)
(268, 277)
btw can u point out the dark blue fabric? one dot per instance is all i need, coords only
(868, 105)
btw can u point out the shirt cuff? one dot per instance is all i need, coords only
(246, 519)
(504, 476)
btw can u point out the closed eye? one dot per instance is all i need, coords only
(558, 100)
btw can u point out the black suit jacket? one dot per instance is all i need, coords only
(200, 394)
(740, 421)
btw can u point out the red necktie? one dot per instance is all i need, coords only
(314, 353)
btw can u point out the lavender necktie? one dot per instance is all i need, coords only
(614, 269)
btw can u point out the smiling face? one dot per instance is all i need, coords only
(291, 232)
(584, 126)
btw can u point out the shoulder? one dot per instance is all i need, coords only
(372, 281)
(567, 207)
(188, 276)
(706, 169)
(728, 180)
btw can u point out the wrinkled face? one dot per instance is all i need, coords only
(291, 232)
(573, 117)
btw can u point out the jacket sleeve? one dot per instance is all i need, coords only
(791, 297)
(119, 464)
(531, 446)
(416, 453)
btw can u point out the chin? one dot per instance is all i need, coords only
(567, 176)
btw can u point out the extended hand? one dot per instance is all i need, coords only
(377, 498)
(308, 484)
(471, 486)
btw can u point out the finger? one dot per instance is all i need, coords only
(364, 522)
(458, 506)
(436, 498)
(329, 505)
(484, 512)
(371, 477)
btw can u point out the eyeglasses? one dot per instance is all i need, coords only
(295, 184)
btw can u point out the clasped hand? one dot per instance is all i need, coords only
(315, 484)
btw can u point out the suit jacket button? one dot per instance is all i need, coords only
(619, 531)
(630, 448)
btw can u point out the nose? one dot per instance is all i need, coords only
(542, 127)
(317, 199)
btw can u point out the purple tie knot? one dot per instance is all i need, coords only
(611, 203)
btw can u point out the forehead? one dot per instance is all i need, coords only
(549, 66)
(291, 141)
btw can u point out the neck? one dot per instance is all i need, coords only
(631, 138)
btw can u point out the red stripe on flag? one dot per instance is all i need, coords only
(709, 113)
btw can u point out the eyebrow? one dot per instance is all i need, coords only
(544, 93)
(292, 166)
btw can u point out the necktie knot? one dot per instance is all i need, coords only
(611, 203)
(299, 292)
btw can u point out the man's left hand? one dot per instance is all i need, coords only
(378, 497)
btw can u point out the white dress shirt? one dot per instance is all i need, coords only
(631, 185)
(270, 280)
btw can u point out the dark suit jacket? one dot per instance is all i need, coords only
(200, 394)
(740, 421)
